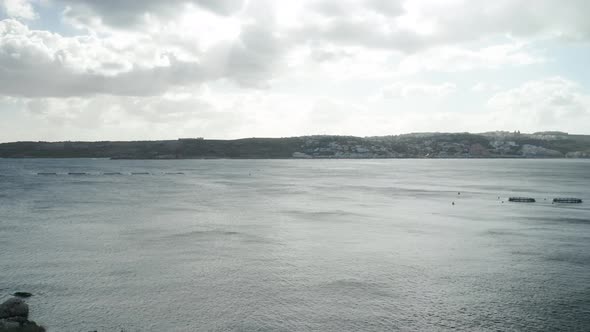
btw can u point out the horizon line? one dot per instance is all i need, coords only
(546, 132)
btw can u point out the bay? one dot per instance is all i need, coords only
(297, 245)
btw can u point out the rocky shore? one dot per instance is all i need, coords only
(14, 316)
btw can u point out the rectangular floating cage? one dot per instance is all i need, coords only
(567, 200)
(522, 199)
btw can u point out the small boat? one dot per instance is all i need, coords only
(140, 173)
(76, 173)
(522, 199)
(46, 173)
(569, 200)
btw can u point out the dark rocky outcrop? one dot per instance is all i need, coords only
(14, 317)
(14, 308)
(23, 295)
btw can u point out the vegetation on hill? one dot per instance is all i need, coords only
(418, 145)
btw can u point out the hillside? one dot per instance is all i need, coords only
(418, 145)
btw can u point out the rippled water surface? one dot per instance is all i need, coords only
(297, 245)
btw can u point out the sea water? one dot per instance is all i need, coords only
(297, 245)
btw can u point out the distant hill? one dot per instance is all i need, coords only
(417, 145)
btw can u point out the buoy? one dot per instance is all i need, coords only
(453, 203)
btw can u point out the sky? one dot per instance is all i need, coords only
(155, 69)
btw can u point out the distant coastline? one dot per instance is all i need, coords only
(498, 144)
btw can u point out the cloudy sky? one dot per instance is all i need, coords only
(163, 69)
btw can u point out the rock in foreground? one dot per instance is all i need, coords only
(14, 314)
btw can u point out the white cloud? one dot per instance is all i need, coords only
(132, 14)
(547, 104)
(485, 87)
(19, 9)
(418, 25)
(553, 103)
(450, 58)
(393, 24)
(277, 68)
(409, 89)
(168, 116)
(41, 63)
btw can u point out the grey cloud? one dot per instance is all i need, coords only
(332, 8)
(254, 56)
(368, 23)
(129, 12)
(326, 55)
(388, 7)
(374, 23)
(514, 17)
(31, 66)
(455, 24)
(235, 62)
(52, 79)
